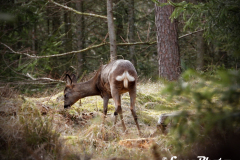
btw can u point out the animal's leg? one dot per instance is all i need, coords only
(105, 107)
(118, 109)
(121, 116)
(132, 94)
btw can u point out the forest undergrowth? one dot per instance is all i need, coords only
(40, 128)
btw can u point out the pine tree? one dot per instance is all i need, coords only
(167, 43)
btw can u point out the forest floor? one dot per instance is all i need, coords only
(40, 128)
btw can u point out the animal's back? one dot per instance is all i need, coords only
(121, 73)
(117, 68)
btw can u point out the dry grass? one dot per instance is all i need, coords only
(39, 128)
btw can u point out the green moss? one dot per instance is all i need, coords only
(143, 98)
(73, 112)
(146, 118)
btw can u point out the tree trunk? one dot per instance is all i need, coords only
(68, 28)
(131, 30)
(200, 51)
(56, 22)
(119, 11)
(34, 38)
(167, 43)
(48, 21)
(111, 31)
(80, 37)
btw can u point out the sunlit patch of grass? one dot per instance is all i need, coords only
(91, 104)
(146, 118)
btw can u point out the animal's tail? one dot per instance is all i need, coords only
(125, 77)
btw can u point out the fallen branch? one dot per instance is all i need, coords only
(136, 43)
(28, 55)
(79, 51)
(55, 55)
(46, 79)
(75, 11)
(27, 83)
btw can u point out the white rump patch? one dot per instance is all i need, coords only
(125, 77)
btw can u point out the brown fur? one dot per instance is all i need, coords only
(104, 83)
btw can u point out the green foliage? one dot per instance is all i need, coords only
(42, 28)
(219, 19)
(27, 33)
(215, 105)
(142, 98)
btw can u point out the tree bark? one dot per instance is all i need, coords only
(131, 30)
(111, 31)
(34, 38)
(80, 37)
(56, 21)
(167, 43)
(119, 11)
(68, 28)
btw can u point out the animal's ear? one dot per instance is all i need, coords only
(74, 78)
(68, 80)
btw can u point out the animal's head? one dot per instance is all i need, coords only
(70, 92)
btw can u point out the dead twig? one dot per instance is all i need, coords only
(44, 78)
(75, 11)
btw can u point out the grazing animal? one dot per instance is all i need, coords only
(110, 81)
